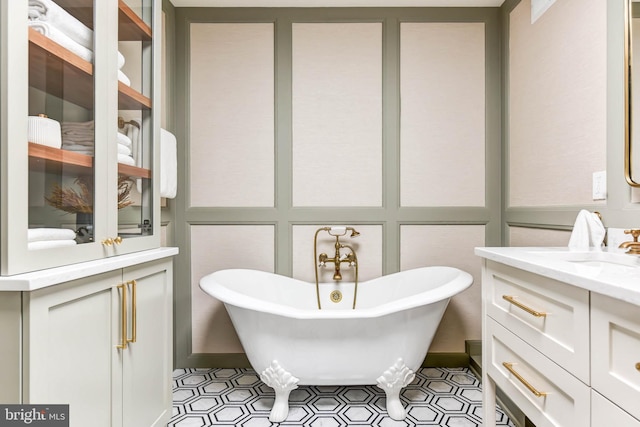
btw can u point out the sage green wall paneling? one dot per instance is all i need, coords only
(293, 225)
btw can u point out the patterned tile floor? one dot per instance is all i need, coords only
(237, 397)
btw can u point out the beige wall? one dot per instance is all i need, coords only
(557, 102)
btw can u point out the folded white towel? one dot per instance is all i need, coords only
(133, 132)
(124, 140)
(45, 131)
(168, 164)
(588, 231)
(123, 149)
(123, 78)
(40, 234)
(62, 39)
(49, 11)
(47, 244)
(127, 160)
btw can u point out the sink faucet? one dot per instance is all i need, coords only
(633, 247)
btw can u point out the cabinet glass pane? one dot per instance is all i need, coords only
(135, 128)
(60, 125)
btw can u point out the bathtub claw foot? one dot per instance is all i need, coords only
(392, 381)
(282, 383)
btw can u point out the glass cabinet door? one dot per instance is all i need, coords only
(61, 125)
(135, 119)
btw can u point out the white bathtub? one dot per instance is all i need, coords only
(290, 342)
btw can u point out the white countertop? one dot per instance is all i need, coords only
(53, 276)
(618, 276)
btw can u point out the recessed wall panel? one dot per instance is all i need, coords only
(522, 236)
(217, 247)
(368, 248)
(557, 102)
(337, 114)
(442, 123)
(453, 246)
(231, 127)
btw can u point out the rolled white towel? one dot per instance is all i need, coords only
(124, 140)
(123, 78)
(62, 39)
(47, 244)
(123, 149)
(40, 234)
(49, 11)
(127, 160)
(120, 60)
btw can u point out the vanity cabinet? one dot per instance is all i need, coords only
(78, 127)
(101, 344)
(564, 354)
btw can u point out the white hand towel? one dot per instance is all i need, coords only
(127, 160)
(120, 60)
(124, 140)
(588, 231)
(40, 234)
(123, 149)
(46, 244)
(62, 39)
(123, 78)
(49, 11)
(168, 164)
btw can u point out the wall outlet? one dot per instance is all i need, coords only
(599, 187)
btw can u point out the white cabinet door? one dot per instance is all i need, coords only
(148, 360)
(70, 355)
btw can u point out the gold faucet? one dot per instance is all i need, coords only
(633, 247)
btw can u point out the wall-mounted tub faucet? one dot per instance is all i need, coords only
(350, 259)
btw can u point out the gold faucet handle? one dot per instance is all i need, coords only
(635, 232)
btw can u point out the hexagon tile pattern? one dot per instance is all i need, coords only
(236, 397)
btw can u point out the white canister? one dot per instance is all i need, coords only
(45, 131)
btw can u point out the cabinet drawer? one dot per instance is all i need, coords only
(606, 414)
(551, 316)
(564, 400)
(615, 346)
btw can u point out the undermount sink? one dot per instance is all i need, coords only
(596, 263)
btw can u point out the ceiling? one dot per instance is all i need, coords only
(337, 3)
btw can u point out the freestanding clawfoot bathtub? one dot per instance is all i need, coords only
(290, 342)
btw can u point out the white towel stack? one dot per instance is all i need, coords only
(46, 17)
(44, 238)
(78, 137)
(124, 150)
(121, 75)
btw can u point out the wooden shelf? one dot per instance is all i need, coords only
(51, 65)
(74, 163)
(130, 27)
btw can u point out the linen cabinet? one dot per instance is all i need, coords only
(79, 122)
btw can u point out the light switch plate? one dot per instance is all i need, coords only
(600, 185)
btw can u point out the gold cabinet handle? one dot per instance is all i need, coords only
(134, 310)
(638, 366)
(108, 241)
(117, 240)
(123, 318)
(526, 383)
(521, 306)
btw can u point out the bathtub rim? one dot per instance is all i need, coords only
(215, 289)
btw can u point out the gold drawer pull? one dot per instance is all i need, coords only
(123, 325)
(526, 383)
(520, 305)
(638, 366)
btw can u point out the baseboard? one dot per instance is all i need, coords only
(239, 360)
